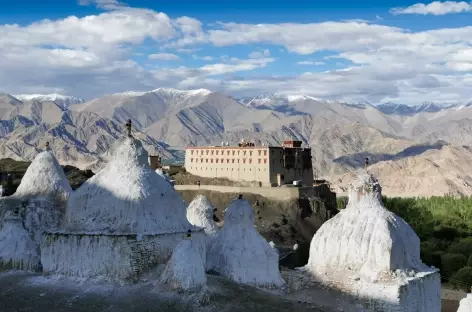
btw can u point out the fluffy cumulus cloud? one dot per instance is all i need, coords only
(434, 8)
(94, 55)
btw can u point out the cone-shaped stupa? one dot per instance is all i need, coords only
(365, 237)
(43, 191)
(200, 213)
(186, 268)
(44, 177)
(17, 249)
(370, 252)
(127, 196)
(240, 253)
(465, 304)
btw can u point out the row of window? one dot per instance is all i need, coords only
(222, 160)
(217, 152)
(227, 169)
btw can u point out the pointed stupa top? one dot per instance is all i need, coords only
(200, 213)
(44, 177)
(127, 196)
(240, 253)
(365, 238)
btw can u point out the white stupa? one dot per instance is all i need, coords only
(240, 253)
(44, 177)
(122, 221)
(372, 253)
(43, 191)
(127, 197)
(465, 304)
(17, 249)
(185, 270)
(200, 213)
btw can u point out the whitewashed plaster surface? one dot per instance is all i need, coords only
(240, 253)
(17, 249)
(127, 196)
(44, 177)
(466, 304)
(374, 255)
(186, 268)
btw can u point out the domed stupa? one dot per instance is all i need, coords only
(43, 193)
(370, 252)
(17, 249)
(240, 253)
(200, 213)
(124, 220)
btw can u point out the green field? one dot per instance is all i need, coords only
(444, 225)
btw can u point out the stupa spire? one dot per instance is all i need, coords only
(128, 127)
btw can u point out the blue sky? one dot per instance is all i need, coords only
(400, 51)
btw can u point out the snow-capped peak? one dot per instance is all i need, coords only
(48, 97)
(168, 91)
(62, 101)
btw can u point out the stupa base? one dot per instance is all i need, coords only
(120, 257)
(420, 293)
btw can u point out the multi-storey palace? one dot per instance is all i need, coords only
(268, 165)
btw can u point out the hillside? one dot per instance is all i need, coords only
(340, 134)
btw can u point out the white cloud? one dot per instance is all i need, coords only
(189, 25)
(434, 8)
(90, 56)
(259, 54)
(316, 63)
(203, 58)
(164, 57)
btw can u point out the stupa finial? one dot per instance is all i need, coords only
(47, 145)
(128, 127)
(189, 234)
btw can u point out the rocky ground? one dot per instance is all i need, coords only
(33, 292)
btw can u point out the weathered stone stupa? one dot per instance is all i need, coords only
(374, 255)
(185, 270)
(17, 249)
(43, 193)
(240, 253)
(120, 223)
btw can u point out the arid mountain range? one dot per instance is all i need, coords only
(415, 151)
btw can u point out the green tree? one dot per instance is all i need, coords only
(451, 263)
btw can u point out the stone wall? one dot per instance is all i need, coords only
(278, 193)
(114, 256)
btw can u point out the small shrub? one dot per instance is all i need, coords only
(462, 279)
(451, 263)
(464, 246)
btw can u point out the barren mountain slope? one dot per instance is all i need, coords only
(447, 170)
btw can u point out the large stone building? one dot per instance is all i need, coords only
(267, 165)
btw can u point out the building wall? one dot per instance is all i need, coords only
(266, 165)
(237, 164)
